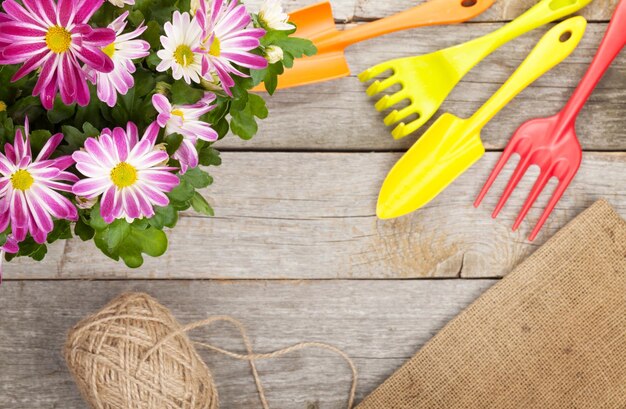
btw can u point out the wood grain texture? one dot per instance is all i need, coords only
(311, 215)
(502, 10)
(379, 324)
(338, 115)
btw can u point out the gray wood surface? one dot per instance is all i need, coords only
(356, 10)
(598, 10)
(338, 115)
(378, 323)
(312, 215)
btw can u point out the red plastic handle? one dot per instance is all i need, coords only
(612, 44)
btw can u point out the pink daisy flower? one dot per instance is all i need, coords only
(185, 120)
(55, 38)
(10, 246)
(129, 173)
(122, 52)
(29, 188)
(3, 42)
(227, 40)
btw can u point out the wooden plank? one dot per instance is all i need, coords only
(338, 115)
(502, 10)
(311, 215)
(378, 323)
(343, 10)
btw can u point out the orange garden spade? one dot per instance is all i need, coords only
(316, 23)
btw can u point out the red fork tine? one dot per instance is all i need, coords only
(518, 174)
(558, 193)
(506, 155)
(540, 184)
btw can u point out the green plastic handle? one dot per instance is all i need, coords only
(555, 46)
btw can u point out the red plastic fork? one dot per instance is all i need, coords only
(551, 143)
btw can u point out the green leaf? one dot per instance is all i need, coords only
(258, 75)
(173, 142)
(243, 122)
(95, 219)
(144, 83)
(153, 60)
(153, 241)
(92, 112)
(221, 127)
(40, 253)
(29, 248)
(74, 137)
(209, 156)
(62, 231)
(153, 35)
(257, 106)
(60, 111)
(184, 94)
(118, 231)
(90, 130)
(83, 230)
(181, 193)
(164, 217)
(101, 242)
(28, 106)
(136, 17)
(201, 206)
(197, 178)
(150, 241)
(38, 139)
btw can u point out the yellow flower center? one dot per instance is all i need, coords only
(3, 106)
(179, 113)
(124, 175)
(58, 39)
(22, 180)
(216, 47)
(183, 55)
(109, 50)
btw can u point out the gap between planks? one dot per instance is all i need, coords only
(311, 216)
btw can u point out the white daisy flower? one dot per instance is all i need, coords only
(274, 17)
(121, 3)
(181, 48)
(274, 53)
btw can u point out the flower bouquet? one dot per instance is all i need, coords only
(107, 111)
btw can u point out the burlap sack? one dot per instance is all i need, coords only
(552, 334)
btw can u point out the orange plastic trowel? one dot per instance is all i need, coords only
(316, 23)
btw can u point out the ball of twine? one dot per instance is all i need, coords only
(133, 354)
(111, 356)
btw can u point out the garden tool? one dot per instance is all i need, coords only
(453, 144)
(551, 143)
(316, 23)
(428, 80)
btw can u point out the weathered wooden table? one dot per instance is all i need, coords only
(296, 251)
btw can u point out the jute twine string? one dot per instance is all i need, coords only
(134, 354)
